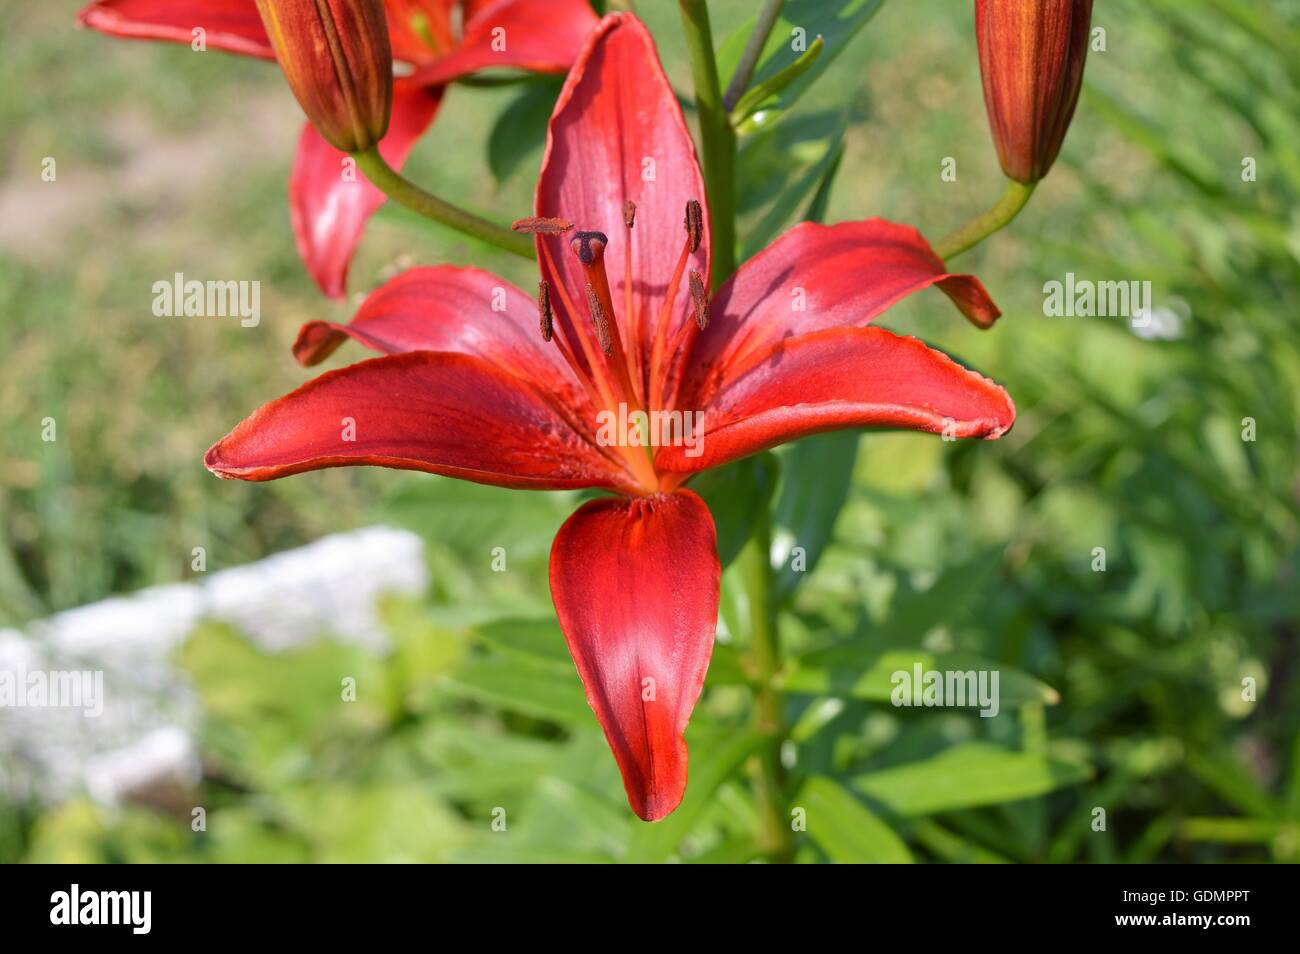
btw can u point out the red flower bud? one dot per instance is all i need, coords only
(1031, 58)
(337, 58)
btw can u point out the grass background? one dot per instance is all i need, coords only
(174, 161)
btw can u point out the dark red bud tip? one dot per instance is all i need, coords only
(338, 60)
(601, 319)
(537, 225)
(1031, 59)
(629, 213)
(694, 223)
(545, 317)
(699, 300)
(589, 246)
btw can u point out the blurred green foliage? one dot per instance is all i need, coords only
(1122, 689)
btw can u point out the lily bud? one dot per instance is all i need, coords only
(337, 58)
(1031, 59)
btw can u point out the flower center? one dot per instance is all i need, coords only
(643, 373)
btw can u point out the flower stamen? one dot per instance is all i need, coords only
(600, 319)
(699, 300)
(694, 225)
(589, 247)
(545, 316)
(541, 225)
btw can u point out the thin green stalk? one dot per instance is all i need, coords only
(775, 836)
(985, 224)
(767, 18)
(718, 139)
(396, 187)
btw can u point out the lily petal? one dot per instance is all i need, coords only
(449, 414)
(635, 584)
(419, 29)
(617, 134)
(842, 378)
(462, 310)
(541, 36)
(816, 277)
(330, 202)
(230, 25)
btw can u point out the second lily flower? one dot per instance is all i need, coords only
(434, 41)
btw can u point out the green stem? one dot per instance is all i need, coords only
(984, 225)
(775, 836)
(767, 18)
(396, 187)
(717, 138)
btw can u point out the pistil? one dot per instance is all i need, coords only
(589, 247)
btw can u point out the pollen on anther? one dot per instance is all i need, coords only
(540, 225)
(629, 213)
(699, 300)
(601, 319)
(694, 223)
(545, 317)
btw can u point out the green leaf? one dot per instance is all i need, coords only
(713, 760)
(820, 204)
(913, 614)
(953, 848)
(1231, 831)
(845, 829)
(801, 22)
(539, 640)
(734, 493)
(520, 129)
(1230, 780)
(269, 714)
(519, 685)
(780, 167)
(763, 95)
(815, 477)
(471, 519)
(967, 776)
(852, 670)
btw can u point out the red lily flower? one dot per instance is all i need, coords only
(470, 386)
(329, 210)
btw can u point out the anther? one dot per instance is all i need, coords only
(539, 225)
(629, 213)
(601, 319)
(694, 223)
(588, 246)
(699, 300)
(545, 317)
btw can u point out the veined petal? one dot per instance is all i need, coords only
(542, 36)
(449, 414)
(844, 377)
(330, 202)
(635, 583)
(230, 25)
(461, 310)
(816, 277)
(617, 134)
